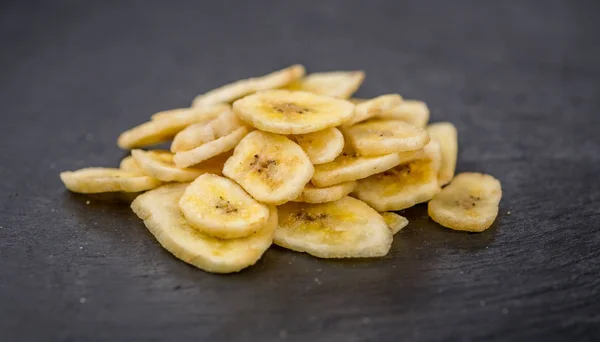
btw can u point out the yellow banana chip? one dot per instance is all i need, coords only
(129, 164)
(394, 221)
(341, 84)
(210, 149)
(99, 179)
(445, 133)
(217, 206)
(412, 111)
(346, 228)
(292, 112)
(373, 107)
(204, 132)
(312, 194)
(470, 202)
(404, 185)
(159, 164)
(373, 138)
(241, 88)
(321, 146)
(160, 211)
(210, 112)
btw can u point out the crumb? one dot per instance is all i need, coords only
(82, 300)
(508, 213)
(87, 202)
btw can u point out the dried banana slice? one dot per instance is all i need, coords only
(404, 185)
(470, 202)
(292, 112)
(346, 228)
(350, 166)
(394, 221)
(129, 164)
(445, 133)
(379, 137)
(165, 127)
(241, 88)
(341, 84)
(412, 111)
(270, 167)
(217, 206)
(210, 112)
(99, 179)
(210, 149)
(160, 211)
(373, 107)
(159, 164)
(312, 194)
(204, 132)
(321, 146)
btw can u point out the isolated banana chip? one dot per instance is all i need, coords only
(346, 228)
(379, 137)
(129, 164)
(165, 127)
(210, 149)
(445, 133)
(159, 164)
(350, 166)
(312, 194)
(412, 111)
(270, 167)
(394, 221)
(204, 132)
(341, 84)
(241, 88)
(292, 112)
(321, 146)
(99, 179)
(373, 107)
(404, 185)
(160, 211)
(219, 207)
(210, 112)
(470, 202)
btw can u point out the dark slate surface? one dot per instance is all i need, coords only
(520, 80)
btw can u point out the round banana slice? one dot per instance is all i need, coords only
(241, 88)
(321, 146)
(160, 211)
(394, 221)
(165, 127)
(312, 194)
(404, 185)
(445, 133)
(129, 164)
(205, 132)
(210, 149)
(217, 206)
(341, 84)
(412, 111)
(159, 164)
(99, 179)
(470, 202)
(350, 166)
(292, 112)
(346, 228)
(373, 107)
(272, 168)
(210, 112)
(379, 137)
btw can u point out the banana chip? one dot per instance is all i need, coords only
(160, 211)
(394, 221)
(445, 133)
(99, 179)
(241, 88)
(217, 206)
(211, 149)
(204, 132)
(270, 167)
(470, 202)
(129, 164)
(373, 107)
(405, 185)
(379, 137)
(321, 146)
(165, 127)
(412, 111)
(292, 112)
(341, 84)
(159, 164)
(210, 112)
(312, 194)
(346, 228)
(351, 166)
